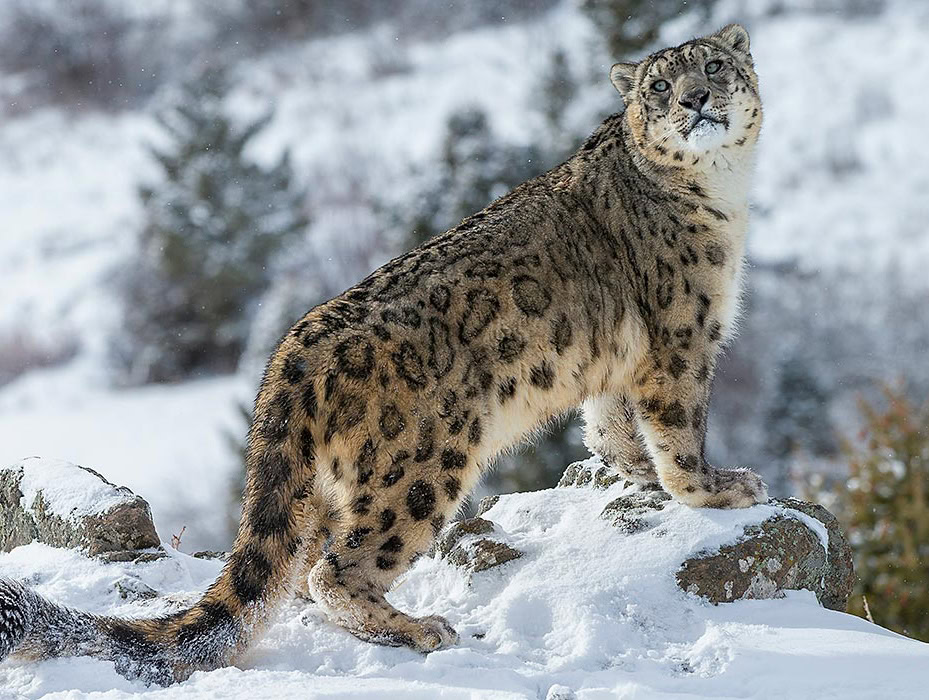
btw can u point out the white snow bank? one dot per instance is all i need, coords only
(586, 607)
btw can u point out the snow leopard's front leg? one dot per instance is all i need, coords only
(611, 431)
(672, 399)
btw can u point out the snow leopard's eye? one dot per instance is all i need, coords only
(661, 86)
(713, 67)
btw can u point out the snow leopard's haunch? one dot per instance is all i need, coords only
(611, 281)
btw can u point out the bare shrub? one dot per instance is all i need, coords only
(21, 352)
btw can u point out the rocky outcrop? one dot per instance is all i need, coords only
(800, 546)
(782, 553)
(65, 505)
(467, 544)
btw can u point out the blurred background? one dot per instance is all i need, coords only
(180, 180)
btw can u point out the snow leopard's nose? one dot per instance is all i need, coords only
(695, 98)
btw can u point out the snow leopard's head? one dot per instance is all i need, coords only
(689, 103)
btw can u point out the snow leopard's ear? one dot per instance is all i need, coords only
(622, 75)
(735, 37)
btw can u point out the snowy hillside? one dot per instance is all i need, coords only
(841, 190)
(586, 612)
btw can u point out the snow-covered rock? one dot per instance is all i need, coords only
(588, 610)
(799, 547)
(65, 505)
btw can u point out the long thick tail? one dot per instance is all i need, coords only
(270, 551)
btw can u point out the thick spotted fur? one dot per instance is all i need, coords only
(610, 282)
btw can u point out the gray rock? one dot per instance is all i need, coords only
(135, 556)
(487, 503)
(211, 554)
(458, 545)
(560, 692)
(584, 473)
(782, 553)
(482, 554)
(130, 588)
(122, 522)
(839, 578)
(628, 511)
(451, 535)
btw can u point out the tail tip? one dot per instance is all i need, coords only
(14, 615)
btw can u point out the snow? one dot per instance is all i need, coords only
(585, 608)
(66, 492)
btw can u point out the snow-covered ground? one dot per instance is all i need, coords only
(586, 610)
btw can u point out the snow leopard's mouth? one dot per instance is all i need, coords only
(704, 123)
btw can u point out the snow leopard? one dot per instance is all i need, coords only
(610, 284)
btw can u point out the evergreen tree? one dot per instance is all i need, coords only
(798, 420)
(628, 26)
(213, 226)
(473, 170)
(885, 507)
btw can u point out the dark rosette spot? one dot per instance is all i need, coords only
(393, 476)
(355, 357)
(530, 260)
(677, 366)
(481, 307)
(426, 445)
(347, 412)
(420, 500)
(452, 487)
(673, 415)
(392, 544)
(273, 469)
(362, 504)
(441, 352)
(308, 400)
(274, 419)
(440, 297)
(294, 368)
(475, 431)
(409, 366)
(387, 518)
(452, 459)
(364, 464)
(250, 572)
(307, 445)
(510, 346)
(665, 293)
(268, 515)
(392, 421)
(561, 334)
(689, 463)
(530, 296)
(703, 304)
(507, 389)
(404, 316)
(543, 375)
(356, 537)
(484, 269)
